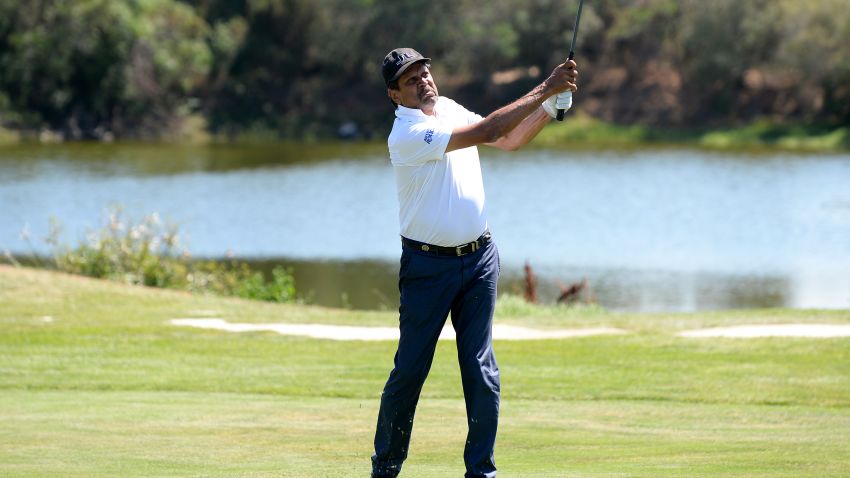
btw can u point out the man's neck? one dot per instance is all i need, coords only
(428, 108)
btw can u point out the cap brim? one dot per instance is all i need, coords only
(404, 68)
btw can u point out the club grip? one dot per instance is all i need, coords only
(560, 115)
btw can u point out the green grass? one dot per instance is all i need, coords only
(108, 388)
(8, 137)
(582, 130)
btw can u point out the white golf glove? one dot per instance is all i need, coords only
(561, 101)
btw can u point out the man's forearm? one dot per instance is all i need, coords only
(502, 121)
(524, 132)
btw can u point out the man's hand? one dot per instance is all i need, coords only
(563, 78)
(564, 81)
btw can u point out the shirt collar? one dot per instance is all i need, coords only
(403, 111)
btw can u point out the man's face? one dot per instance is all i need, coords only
(416, 88)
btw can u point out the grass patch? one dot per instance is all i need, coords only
(95, 383)
(8, 137)
(583, 130)
(766, 133)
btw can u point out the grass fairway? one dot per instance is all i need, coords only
(94, 382)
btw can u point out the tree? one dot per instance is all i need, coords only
(90, 66)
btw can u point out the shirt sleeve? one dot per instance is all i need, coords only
(462, 113)
(472, 118)
(420, 143)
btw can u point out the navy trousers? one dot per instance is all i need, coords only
(431, 287)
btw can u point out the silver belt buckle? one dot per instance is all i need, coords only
(473, 246)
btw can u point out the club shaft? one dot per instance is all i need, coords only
(575, 28)
(560, 115)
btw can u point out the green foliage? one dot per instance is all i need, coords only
(90, 66)
(281, 288)
(237, 279)
(816, 35)
(169, 62)
(301, 68)
(63, 60)
(149, 253)
(145, 253)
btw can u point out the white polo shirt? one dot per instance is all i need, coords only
(440, 195)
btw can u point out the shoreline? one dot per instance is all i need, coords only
(578, 131)
(760, 135)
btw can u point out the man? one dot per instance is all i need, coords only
(449, 262)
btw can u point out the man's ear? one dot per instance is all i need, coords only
(395, 95)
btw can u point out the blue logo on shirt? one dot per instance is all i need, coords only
(429, 136)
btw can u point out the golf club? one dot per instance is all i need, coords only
(569, 94)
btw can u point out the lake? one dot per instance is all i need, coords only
(650, 229)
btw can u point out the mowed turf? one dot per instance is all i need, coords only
(94, 382)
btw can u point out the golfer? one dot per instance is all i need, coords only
(449, 262)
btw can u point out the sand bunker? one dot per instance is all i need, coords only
(777, 330)
(346, 332)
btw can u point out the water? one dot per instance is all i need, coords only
(649, 229)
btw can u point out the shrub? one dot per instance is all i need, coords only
(149, 253)
(281, 288)
(238, 279)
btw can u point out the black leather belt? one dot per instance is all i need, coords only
(460, 250)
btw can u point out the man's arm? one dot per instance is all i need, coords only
(504, 120)
(524, 132)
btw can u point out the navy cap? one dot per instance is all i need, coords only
(399, 60)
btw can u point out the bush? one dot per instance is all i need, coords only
(281, 288)
(149, 253)
(238, 279)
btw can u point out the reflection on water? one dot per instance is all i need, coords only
(374, 285)
(678, 291)
(21, 162)
(365, 284)
(650, 229)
